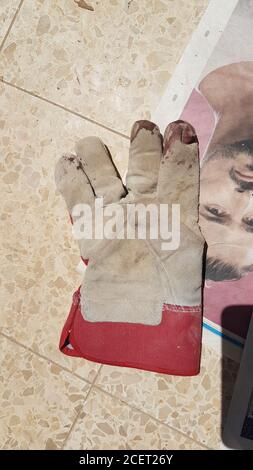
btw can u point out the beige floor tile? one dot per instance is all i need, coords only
(39, 401)
(39, 257)
(107, 423)
(7, 12)
(191, 405)
(111, 64)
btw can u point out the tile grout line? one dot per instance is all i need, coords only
(10, 25)
(57, 105)
(93, 386)
(75, 113)
(79, 412)
(42, 356)
(139, 410)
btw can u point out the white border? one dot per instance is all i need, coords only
(193, 61)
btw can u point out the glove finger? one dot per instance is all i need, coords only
(100, 169)
(72, 182)
(179, 170)
(144, 157)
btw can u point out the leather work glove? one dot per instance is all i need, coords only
(133, 283)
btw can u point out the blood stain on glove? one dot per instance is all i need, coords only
(179, 130)
(148, 125)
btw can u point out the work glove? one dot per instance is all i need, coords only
(138, 281)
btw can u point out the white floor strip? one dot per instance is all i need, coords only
(193, 61)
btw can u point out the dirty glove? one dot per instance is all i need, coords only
(129, 281)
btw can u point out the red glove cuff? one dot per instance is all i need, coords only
(172, 347)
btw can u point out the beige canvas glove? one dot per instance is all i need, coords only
(129, 280)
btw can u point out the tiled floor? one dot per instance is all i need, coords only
(65, 73)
